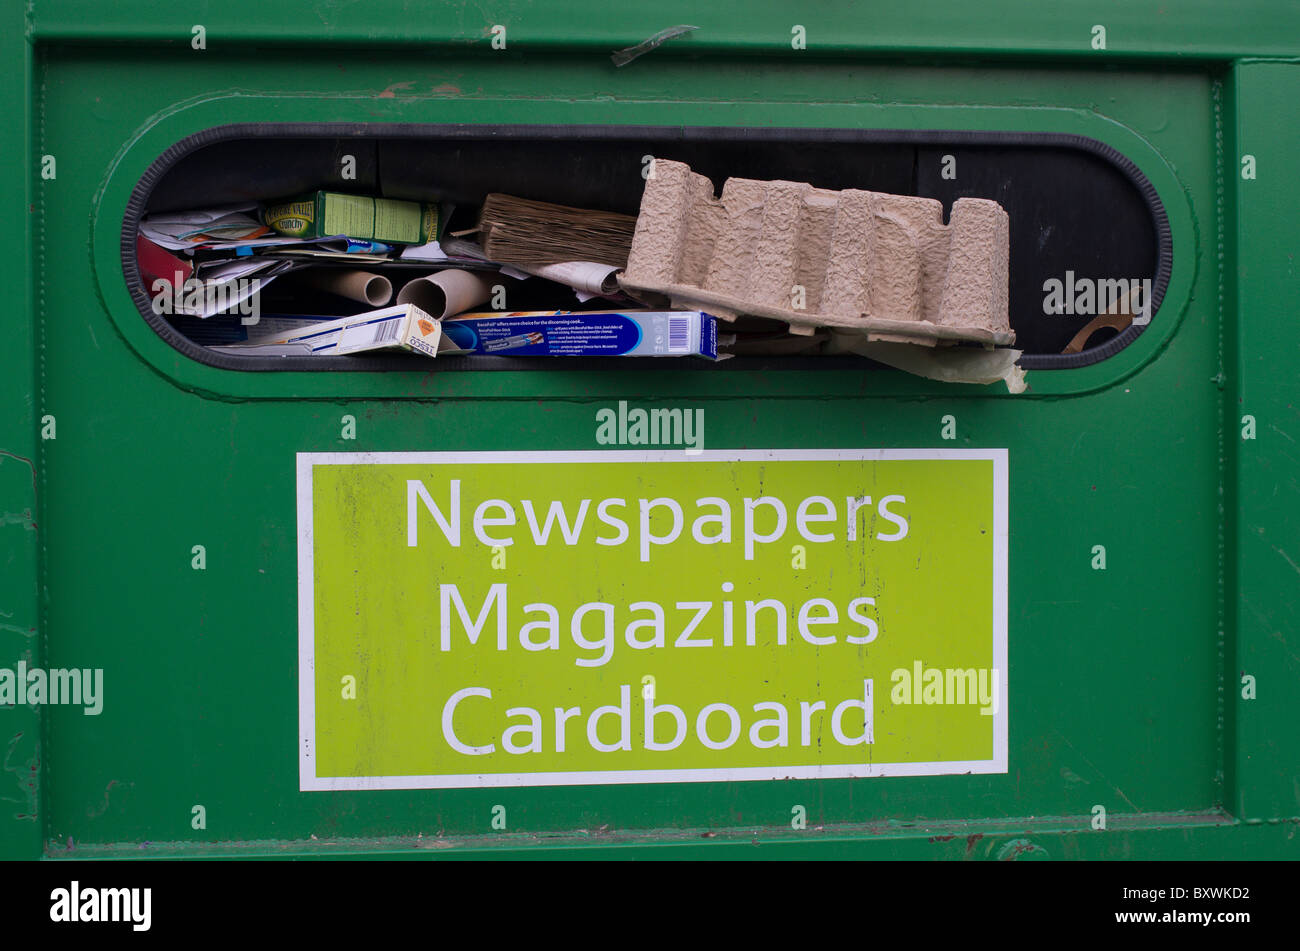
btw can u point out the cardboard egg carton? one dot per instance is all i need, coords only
(884, 264)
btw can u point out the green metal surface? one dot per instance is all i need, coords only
(1126, 683)
(20, 823)
(1264, 519)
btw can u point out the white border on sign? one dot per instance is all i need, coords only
(308, 781)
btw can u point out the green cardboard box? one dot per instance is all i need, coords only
(323, 214)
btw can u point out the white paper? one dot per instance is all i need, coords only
(424, 252)
(595, 280)
(217, 302)
(226, 285)
(946, 364)
(233, 270)
(168, 230)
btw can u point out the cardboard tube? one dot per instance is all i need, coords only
(446, 293)
(372, 289)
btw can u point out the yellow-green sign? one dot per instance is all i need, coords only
(559, 618)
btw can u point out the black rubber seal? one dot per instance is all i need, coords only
(153, 174)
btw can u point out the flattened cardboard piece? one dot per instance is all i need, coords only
(879, 263)
(945, 364)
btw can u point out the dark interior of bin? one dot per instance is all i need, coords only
(1074, 204)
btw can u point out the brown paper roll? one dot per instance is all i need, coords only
(446, 293)
(372, 289)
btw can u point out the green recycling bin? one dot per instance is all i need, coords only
(387, 602)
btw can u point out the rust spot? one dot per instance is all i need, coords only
(95, 813)
(971, 840)
(446, 89)
(942, 838)
(391, 91)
